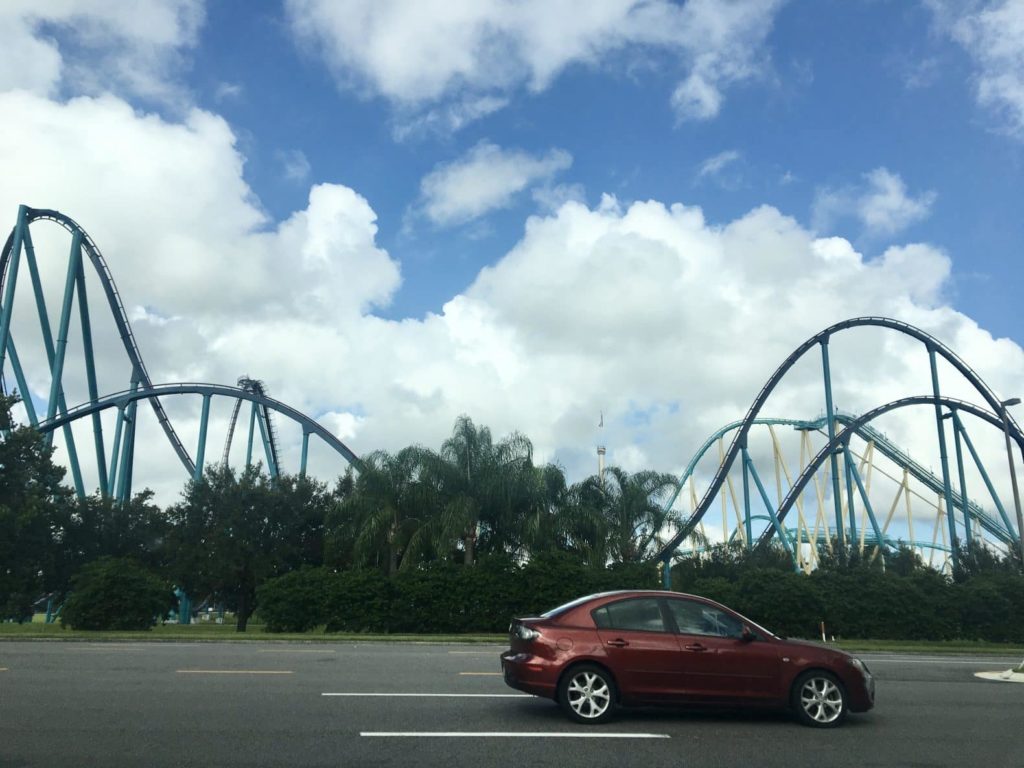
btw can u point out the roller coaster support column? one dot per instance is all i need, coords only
(305, 452)
(90, 374)
(863, 494)
(204, 422)
(968, 535)
(19, 376)
(747, 530)
(748, 467)
(830, 416)
(1013, 475)
(666, 573)
(944, 459)
(984, 475)
(252, 434)
(12, 280)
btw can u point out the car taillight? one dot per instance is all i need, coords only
(525, 633)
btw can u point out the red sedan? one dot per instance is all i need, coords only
(642, 648)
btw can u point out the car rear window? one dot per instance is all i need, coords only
(640, 614)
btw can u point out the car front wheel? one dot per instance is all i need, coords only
(819, 699)
(587, 694)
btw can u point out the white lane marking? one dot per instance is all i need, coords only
(982, 662)
(3, 669)
(291, 650)
(438, 695)
(512, 735)
(482, 674)
(233, 672)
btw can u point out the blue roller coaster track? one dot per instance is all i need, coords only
(972, 516)
(115, 474)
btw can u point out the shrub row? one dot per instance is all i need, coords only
(438, 597)
(869, 604)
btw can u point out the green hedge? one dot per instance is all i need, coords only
(436, 598)
(859, 600)
(116, 593)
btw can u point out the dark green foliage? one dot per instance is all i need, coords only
(116, 593)
(295, 602)
(35, 513)
(358, 601)
(232, 532)
(895, 598)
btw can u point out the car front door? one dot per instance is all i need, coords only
(717, 662)
(640, 648)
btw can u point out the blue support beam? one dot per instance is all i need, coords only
(947, 489)
(19, 376)
(863, 492)
(831, 419)
(204, 421)
(90, 376)
(252, 435)
(968, 534)
(749, 464)
(7, 308)
(305, 452)
(958, 425)
(748, 529)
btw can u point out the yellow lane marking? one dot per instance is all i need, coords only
(482, 674)
(233, 672)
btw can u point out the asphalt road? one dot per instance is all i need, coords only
(263, 704)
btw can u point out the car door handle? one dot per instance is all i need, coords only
(618, 643)
(696, 647)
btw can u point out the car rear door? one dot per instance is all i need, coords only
(641, 650)
(717, 664)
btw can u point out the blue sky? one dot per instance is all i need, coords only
(531, 212)
(849, 87)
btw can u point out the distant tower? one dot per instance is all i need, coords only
(600, 454)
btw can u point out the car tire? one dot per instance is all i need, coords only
(819, 699)
(587, 694)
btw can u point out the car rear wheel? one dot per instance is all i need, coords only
(587, 694)
(819, 699)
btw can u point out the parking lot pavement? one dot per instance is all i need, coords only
(254, 704)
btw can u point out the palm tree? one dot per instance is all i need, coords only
(628, 509)
(387, 506)
(483, 488)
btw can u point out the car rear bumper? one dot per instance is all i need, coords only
(530, 674)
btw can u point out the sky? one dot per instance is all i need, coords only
(539, 214)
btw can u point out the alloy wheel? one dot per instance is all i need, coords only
(821, 700)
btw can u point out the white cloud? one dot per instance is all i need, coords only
(295, 164)
(715, 164)
(128, 49)
(881, 204)
(485, 178)
(667, 322)
(992, 32)
(419, 53)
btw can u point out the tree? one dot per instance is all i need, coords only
(483, 488)
(230, 533)
(116, 593)
(629, 508)
(34, 516)
(387, 512)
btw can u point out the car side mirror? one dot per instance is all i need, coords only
(747, 635)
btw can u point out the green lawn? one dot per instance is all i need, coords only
(209, 631)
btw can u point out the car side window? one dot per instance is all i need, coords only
(640, 614)
(694, 618)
